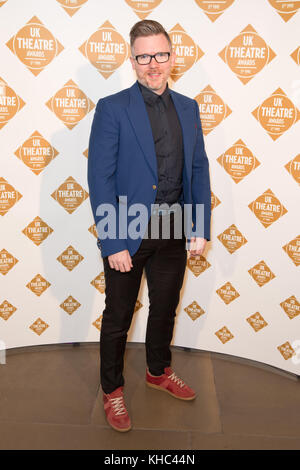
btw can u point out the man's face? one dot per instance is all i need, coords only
(153, 75)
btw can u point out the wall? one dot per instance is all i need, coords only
(240, 61)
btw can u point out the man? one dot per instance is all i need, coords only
(146, 148)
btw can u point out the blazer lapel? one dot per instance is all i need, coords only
(186, 118)
(139, 119)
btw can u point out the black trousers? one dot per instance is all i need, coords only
(164, 261)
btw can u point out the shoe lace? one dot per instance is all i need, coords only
(118, 405)
(176, 379)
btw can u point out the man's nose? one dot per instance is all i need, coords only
(153, 62)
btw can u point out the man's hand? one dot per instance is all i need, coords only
(197, 246)
(120, 261)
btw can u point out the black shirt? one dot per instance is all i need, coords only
(167, 135)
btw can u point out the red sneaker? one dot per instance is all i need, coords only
(170, 383)
(115, 410)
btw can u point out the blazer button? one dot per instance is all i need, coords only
(154, 186)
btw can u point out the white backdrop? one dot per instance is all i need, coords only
(240, 60)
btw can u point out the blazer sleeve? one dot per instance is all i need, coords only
(201, 192)
(102, 169)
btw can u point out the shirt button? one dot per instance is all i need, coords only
(154, 186)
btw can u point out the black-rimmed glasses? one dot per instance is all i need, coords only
(160, 57)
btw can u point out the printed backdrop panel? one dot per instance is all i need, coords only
(239, 60)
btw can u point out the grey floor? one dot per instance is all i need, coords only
(50, 399)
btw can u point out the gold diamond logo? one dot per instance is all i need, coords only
(277, 114)
(232, 239)
(70, 104)
(214, 201)
(93, 230)
(186, 50)
(238, 161)
(291, 307)
(39, 326)
(106, 49)
(97, 323)
(256, 321)
(6, 310)
(8, 196)
(197, 264)
(293, 167)
(296, 55)
(286, 350)
(285, 9)
(36, 153)
(143, 8)
(86, 153)
(224, 334)
(71, 6)
(37, 231)
(214, 9)
(7, 262)
(70, 195)
(267, 208)
(137, 306)
(247, 54)
(35, 46)
(70, 305)
(70, 258)
(99, 282)
(227, 293)
(213, 110)
(10, 103)
(293, 250)
(261, 273)
(38, 285)
(194, 310)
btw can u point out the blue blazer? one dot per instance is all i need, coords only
(122, 161)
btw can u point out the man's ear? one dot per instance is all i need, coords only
(132, 60)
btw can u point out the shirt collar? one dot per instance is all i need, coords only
(150, 97)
